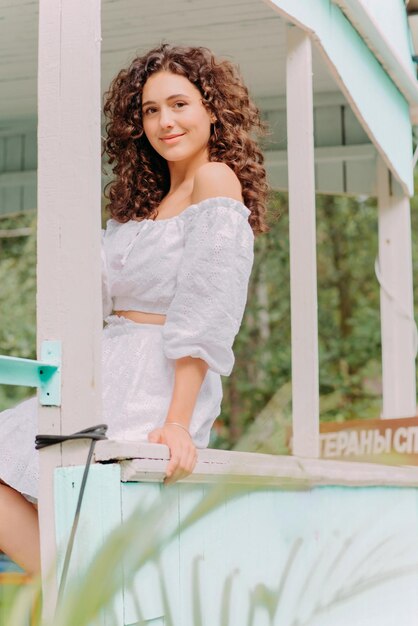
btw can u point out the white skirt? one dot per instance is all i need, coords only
(137, 384)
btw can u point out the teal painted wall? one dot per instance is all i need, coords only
(392, 19)
(18, 164)
(260, 557)
(378, 101)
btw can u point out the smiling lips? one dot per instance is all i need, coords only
(171, 138)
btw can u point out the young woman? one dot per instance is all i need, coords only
(188, 196)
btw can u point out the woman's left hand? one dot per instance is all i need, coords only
(183, 455)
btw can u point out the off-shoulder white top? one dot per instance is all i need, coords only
(193, 267)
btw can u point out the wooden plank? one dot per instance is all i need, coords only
(298, 473)
(360, 177)
(328, 126)
(143, 599)
(276, 120)
(192, 560)
(302, 241)
(334, 125)
(263, 517)
(320, 99)
(100, 514)
(232, 570)
(29, 197)
(353, 66)
(329, 178)
(12, 199)
(149, 462)
(30, 151)
(17, 178)
(68, 233)
(14, 154)
(10, 233)
(2, 153)
(384, 27)
(256, 41)
(330, 162)
(214, 544)
(353, 131)
(277, 176)
(398, 329)
(2, 203)
(20, 126)
(360, 162)
(275, 557)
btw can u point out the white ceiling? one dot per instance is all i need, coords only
(247, 32)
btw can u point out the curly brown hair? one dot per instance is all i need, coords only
(141, 175)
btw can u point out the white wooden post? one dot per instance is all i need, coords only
(69, 195)
(302, 233)
(396, 299)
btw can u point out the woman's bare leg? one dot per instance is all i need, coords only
(19, 530)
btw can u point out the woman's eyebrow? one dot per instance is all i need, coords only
(176, 95)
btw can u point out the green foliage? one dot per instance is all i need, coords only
(348, 315)
(18, 299)
(8, 595)
(348, 326)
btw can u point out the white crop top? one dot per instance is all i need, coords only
(193, 267)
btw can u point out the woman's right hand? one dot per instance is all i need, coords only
(183, 453)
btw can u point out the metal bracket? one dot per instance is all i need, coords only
(44, 374)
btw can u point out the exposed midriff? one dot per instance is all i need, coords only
(141, 317)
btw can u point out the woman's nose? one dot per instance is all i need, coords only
(166, 118)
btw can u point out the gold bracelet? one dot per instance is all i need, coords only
(180, 426)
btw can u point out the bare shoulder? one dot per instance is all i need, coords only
(216, 179)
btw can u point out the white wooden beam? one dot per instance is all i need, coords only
(396, 300)
(320, 99)
(328, 154)
(302, 233)
(69, 299)
(353, 66)
(148, 462)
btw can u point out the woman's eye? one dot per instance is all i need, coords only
(151, 110)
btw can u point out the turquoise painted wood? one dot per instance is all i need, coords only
(376, 99)
(44, 374)
(17, 371)
(101, 513)
(260, 557)
(391, 18)
(160, 578)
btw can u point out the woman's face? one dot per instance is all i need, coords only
(172, 107)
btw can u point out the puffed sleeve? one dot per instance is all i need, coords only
(106, 299)
(207, 309)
